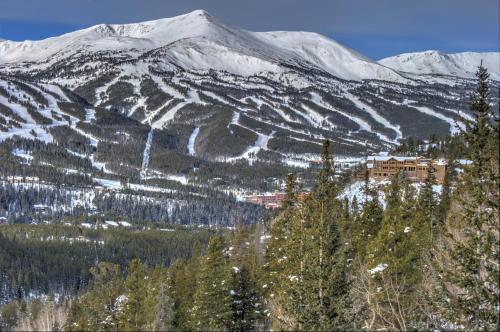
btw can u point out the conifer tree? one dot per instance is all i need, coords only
(97, 309)
(445, 198)
(182, 285)
(213, 288)
(427, 202)
(395, 260)
(281, 249)
(133, 316)
(163, 309)
(290, 192)
(324, 283)
(468, 270)
(369, 221)
(246, 303)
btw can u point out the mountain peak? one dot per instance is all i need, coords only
(199, 13)
(437, 62)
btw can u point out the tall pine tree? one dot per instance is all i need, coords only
(212, 300)
(468, 270)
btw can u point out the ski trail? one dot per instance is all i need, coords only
(455, 126)
(251, 152)
(145, 157)
(316, 117)
(363, 125)
(103, 89)
(234, 120)
(167, 117)
(192, 140)
(377, 117)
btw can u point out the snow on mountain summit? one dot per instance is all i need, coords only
(200, 41)
(436, 62)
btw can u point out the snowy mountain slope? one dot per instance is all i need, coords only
(435, 62)
(196, 108)
(53, 144)
(199, 41)
(294, 89)
(329, 55)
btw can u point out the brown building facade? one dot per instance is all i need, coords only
(384, 167)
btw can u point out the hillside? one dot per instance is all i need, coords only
(179, 113)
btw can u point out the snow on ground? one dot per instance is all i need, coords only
(99, 165)
(192, 140)
(296, 163)
(436, 62)
(92, 139)
(55, 89)
(26, 155)
(363, 125)
(377, 117)
(102, 91)
(356, 189)
(235, 119)
(167, 117)
(455, 127)
(251, 152)
(110, 184)
(145, 156)
(78, 197)
(142, 187)
(178, 178)
(315, 118)
(89, 115)
(304, 160)
(29, 129)
(379, 268)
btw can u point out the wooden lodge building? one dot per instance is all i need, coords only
(384, 166)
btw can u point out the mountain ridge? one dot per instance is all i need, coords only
(462, 64)
(200, 27)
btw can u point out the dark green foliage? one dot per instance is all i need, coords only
(467, 265)
(214, 282)
(246, 304)
(41, 258)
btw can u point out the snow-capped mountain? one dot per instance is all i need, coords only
(199, 41)
(435, 62)
(192, 108)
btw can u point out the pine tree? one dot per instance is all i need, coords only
(280, 251)
(427, 202)
(467, 261)
(324, 282)
(290, 192)
(182, 285)
(395, 260)
(445, 198)
(369, 221)
(164, 309)
(97, 309)
(213, 288)
(246, 302)
(133, 316)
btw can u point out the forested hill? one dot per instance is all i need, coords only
(421, 262)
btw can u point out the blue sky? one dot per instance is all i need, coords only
(376, 28)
